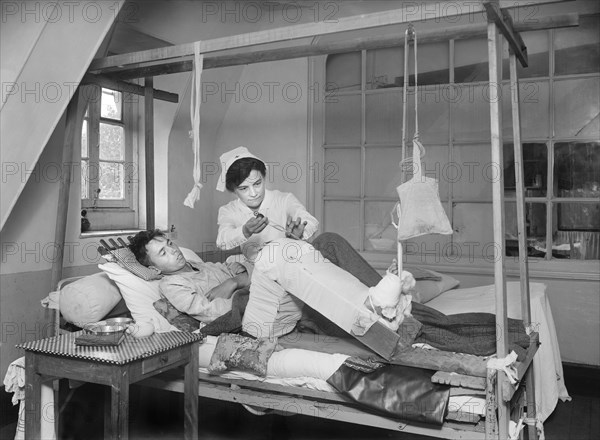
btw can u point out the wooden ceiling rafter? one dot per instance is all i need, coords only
(140, 70)
(344, 24)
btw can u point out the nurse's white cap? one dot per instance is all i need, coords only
(227, 160)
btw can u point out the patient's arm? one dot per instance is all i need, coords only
(184, 297)
(228, 287)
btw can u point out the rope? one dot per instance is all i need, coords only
(506, 364)
(195, 101)
(516, 428)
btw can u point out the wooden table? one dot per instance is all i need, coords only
(116, 366)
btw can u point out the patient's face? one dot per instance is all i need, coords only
(252, 190)
(165, 255)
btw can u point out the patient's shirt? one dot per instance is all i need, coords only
(187, 290)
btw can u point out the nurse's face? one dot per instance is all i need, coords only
(252, 190)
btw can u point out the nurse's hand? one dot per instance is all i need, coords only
(255, 225)
(295, 228)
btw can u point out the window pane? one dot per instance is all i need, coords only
(111, 181)
(535, 228)
(471, 172)
(385, 67)
(470, 59)
(85, 180)
(577, 169)
(577, 107)
(384, 117)
(580, 245)
(434, 63)
(578, 217)
(537, 55)
(84, 139)
(380, 234)
(342, 172)
(343, 218)
(382, 171)
(471, 109)
(342, 115)
(112, 103)
(577, 50)
(433, 113)
(112, 142)
(343, 71)
(534, 98)
(473, 232)
(535, 164)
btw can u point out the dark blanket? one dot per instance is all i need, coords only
(469, 333)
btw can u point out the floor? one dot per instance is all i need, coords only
(157, 415)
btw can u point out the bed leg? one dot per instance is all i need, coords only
(531, 403)
(491, 420)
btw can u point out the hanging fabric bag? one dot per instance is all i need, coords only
(420, 210)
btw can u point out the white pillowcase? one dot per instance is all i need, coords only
(140, 295)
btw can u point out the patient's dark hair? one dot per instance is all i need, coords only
(241, 169)
(138, 245)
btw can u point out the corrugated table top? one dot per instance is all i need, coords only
(129, 350)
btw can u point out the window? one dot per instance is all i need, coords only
(108, 161)
(560, 126)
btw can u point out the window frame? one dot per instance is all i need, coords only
(551, 201)
(120, 213)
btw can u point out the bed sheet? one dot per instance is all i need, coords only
(549, 382)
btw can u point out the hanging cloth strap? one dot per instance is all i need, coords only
(195, 100)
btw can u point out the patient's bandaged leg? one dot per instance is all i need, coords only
(302, 271)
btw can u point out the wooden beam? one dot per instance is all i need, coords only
(495, 101)
(149, 140)
(504, 22)
(305, 30)
(475, 30)
(75, 112)
(122, 86)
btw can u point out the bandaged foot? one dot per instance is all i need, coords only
(390, 298)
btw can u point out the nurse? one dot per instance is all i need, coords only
(258, 215)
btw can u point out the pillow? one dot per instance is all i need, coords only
(424, 274)
(429, 289)
(241, 352)
(88, 299)
(126, 259)
(140, 295)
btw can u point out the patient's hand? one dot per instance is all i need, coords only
(226, 289)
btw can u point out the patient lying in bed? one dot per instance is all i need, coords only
(305, 272)
(204, 291)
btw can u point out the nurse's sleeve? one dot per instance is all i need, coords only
(295, 209)
(230, 233)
